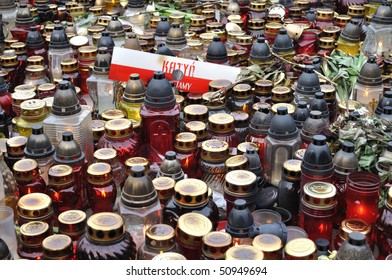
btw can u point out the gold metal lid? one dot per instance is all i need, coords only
(169, 256)
(72, 222)
(131, 162)
(94, 29)
(180, 100)
(33, 233)
(244, 252)
(274, 18)
(290, 107)
(326, 14)
(303, 4)
(57, 246)
(267, 242)
(256, 24)
(190, 192)
(19, 96)
(165, 187)
(185, 142)
(319, 194)
(24, 88)
(351, 105)
(233, 34)
(331, 31)
(273, 27)
(34, 206)
(238, 162)
(105, 155)
(326, 43)
(26, 169)
(241, 118)
(281, 94)
(105, 227)
(349, 225)
(88, 52)
(263, 87)
(60, 175)
(69, 65)
(300, 248)
(120, 128)
(195, 112)
(46, 87)
(208, 13)
(160, 237)
(214, 25)
(218, 84)
(33, 108)
(197, 20)
(214, 150)
(15, 145)
(292, 169)
(240, 182)
(242, 91)
(177, 17)
(215, 244)
(244, 145)
(113, 114)
(342, 19)
(19, 47)
(191, 227)
(96, 10)
(99, 173)
(198, 128)
(356, 11)
(98, 127)
(221, 123)
(257, 6)
(9, 60)
(329, 91)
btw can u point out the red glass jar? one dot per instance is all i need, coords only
(165, 189)
(10, 63)
(307, 43)
(221, 127)
(69, 68)
(15, 150)
(383, 228)
(35, 45)
(349, 225)
(6, 101)
(262, 91)
(46, 90)
(35, 207)
(31, 236)
(21, 53)
(106, 239)
(57, 247)
(28, 178)
(271, 31)
(73, 224)
(257, 10)
(199, 129)
(362, 196)
(120, 136)
(185, 146)
(101, 190)
(326, 45)
(86, 58)
(62, 190)
(215, 245)
(317, 210)
(324, 18)
(191, 228)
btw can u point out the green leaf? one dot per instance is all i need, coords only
(366, 161)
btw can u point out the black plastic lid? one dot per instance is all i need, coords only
(115, 27)
(38, 144)
(175, 35)
(351, 32)
(68, 151)
(59, 39)
(5, 253)
(386, 100)
(261, 121)
(106, 41)
(34, 39)
(317, 158)
(315, 115)
(322, 244)
(65, 101)
(240, 220)
(354, 116)
(267, 198)
(308, 82)
(311, 15)
(282, 125)
(301, 113)
(3, 85)
(370, 74)
(356, 238)
(387, 110)
(136, 3)
(102, 61)
(23, 16)
(159, 92)
(260, 50)
(216, 52)
(170, 155)
(163, 27)
(383, 14)
(302, 105)
(164, 50)
(318, 103)
(282, 42)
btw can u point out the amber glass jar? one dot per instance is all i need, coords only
(31, 236)
(69, 68)
(165, 189)
(101, 189)
(317, 210)
(120, 136)
(15, 150)
(199, 129)
(215, 245)
(160, 238)
(212, 164)
(350, 225)
(36, 75)
(63, 191)
(73, 224)
(221, 127)
(190, 195)
(185, 146)
(28, 178)
(35, 207)
(300, 249)
(106, 239)
(190, 230)
(57, 247)
(244, 252)
(271, 245)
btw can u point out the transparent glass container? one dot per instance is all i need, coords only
(36, 75)
(55, 57)
(102, 91)
(136, 16)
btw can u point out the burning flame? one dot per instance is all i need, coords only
(187, 162)
(56, 196)
(244, 107)
(160, 252)
(321, 228)
(103, 193)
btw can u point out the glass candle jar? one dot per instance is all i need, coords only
(362, 196)
(133, 97)
(194, 112)
(15, 150)
(46, 90)
(33, 112)
(98, 127)
(35, 207)
(383, 228)
(317, 210)
(190, 196)
(271, 246)
(160, 238)
(185, 146)
(36, 75)
(349, 225)
(63, 191)
(300, 249)
(165, 189)
(31, 236)
(191, 228)
(215, 245)
(221, 127)
(281, 94)
(69, 68)
(73, 224)
(106, 239)
(214, 105)
(242, 99)
(324, 18)
(101, 189)
(57, 247)
(244, 252)
(18, 97)
(28, 178)
(199, 129)
(86, 58)
(212, 164)
(120, 136)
